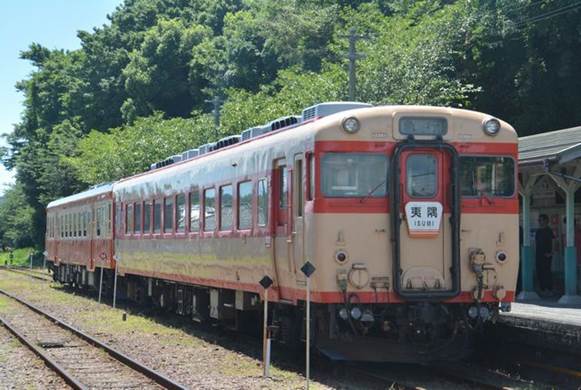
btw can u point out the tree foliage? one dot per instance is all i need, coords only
(137, 89)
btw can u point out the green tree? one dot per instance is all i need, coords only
(16, 219)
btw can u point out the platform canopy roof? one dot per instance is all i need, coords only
(560, 146)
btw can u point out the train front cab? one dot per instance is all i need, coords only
(416, 219)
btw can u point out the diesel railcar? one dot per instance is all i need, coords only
(409, 214)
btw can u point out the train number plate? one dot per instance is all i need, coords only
(423, 218)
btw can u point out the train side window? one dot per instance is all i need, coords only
(311, 173)
(298, 187)
(128, 219)
(168, 216)
(195, 211)
(147, 217)
(282, 187)
(262, 195)
(157, 215)
(109, 220)
(421, 175)
(245, 205)
(180, 213)
(209, 209)
(226, 216)
(84, 223)
(137, 211)
(99, 221)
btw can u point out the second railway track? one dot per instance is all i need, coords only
(83, 361)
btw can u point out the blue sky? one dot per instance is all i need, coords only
(53, 24)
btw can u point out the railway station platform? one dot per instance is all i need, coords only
(544, 323)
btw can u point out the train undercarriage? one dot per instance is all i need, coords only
(405, 332)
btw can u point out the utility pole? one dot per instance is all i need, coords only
(217, 104)
(352, 55)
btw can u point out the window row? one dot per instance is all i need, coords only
(207, 211)
(80, 223)
(366, 175)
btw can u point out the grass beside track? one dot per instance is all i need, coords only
(106, 323)
(21, 257)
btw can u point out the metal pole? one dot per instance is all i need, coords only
(308, 346)
(115, 287)
(101, 285)
(352, 59)
(30, 257)
(264, 335)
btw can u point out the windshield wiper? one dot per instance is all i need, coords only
(372, 191)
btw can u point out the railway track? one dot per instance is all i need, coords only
(28, 272)
(81, 360)
(412, 377)
(457, 376)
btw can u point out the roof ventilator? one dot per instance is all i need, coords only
(252, 132)
(227, 141)
(207, 148)
(283, 122)
(188, 154)
(329, 108)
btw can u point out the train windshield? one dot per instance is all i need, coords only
(354, 175)
(492, 176)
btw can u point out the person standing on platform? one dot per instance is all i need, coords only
(544, 254)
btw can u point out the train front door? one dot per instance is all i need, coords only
(425, 234)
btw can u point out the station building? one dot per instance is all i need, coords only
(550, 183)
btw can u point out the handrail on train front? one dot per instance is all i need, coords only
(430, 295)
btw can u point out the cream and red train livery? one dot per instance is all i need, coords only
(408, 213)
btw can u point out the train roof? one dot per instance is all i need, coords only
(92, 192)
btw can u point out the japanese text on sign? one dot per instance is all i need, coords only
(423, 218)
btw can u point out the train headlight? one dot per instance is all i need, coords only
(473, 312)
(344, 314)
(484, 313)
(491, 126)
(351, 125)
(356, 313)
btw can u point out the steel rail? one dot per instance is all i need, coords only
(393, 383)
(29, 274)
(57, 368)
(454, 373)
(119, 356)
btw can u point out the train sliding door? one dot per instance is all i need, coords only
(282, 233)
(427, 246)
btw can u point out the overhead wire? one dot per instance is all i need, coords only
(550, 14)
